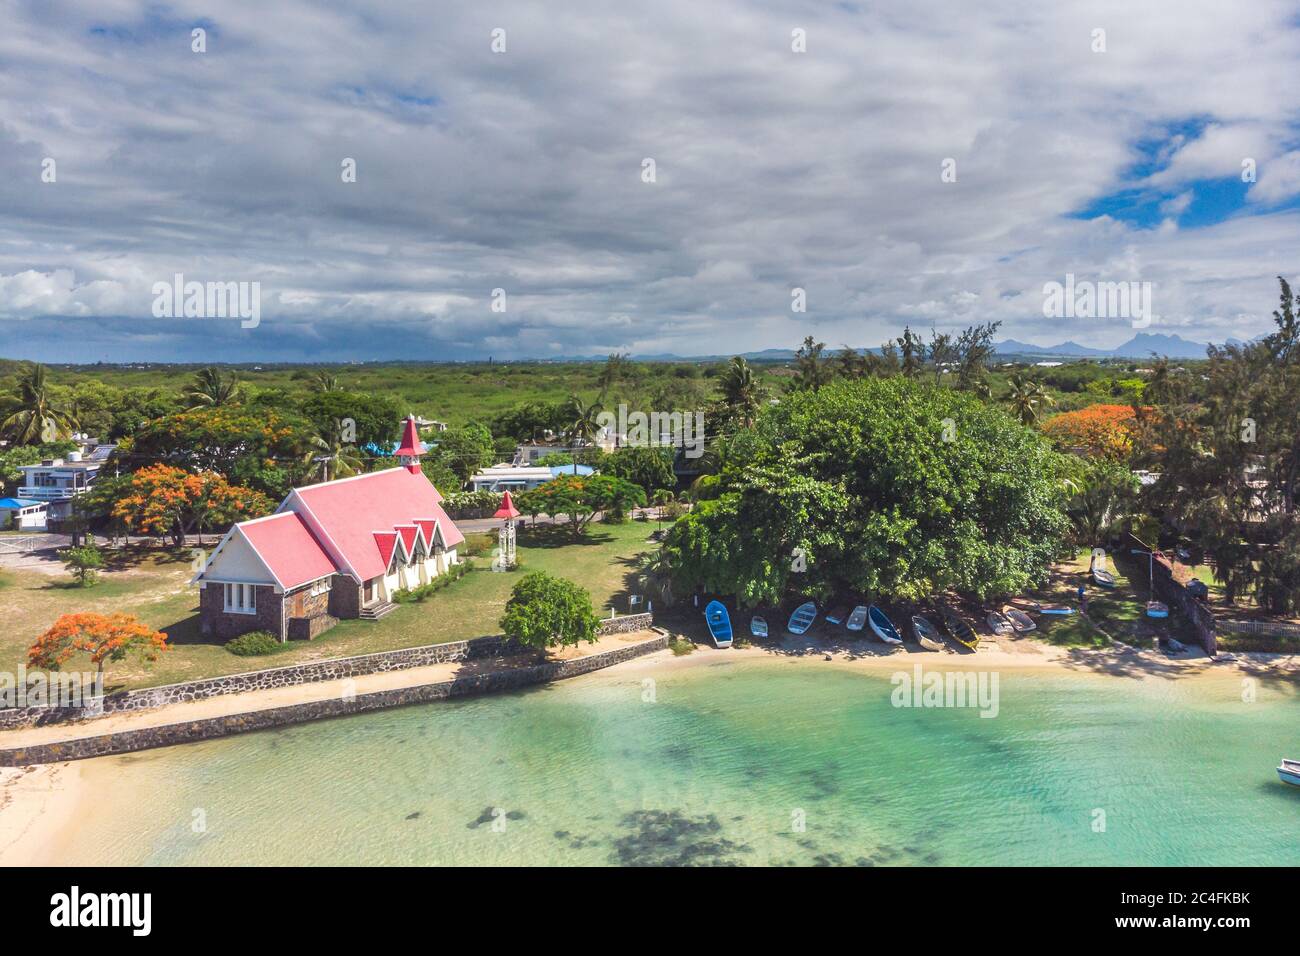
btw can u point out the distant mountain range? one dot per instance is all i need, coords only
(1142, 345)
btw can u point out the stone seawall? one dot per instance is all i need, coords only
(334, 668)
(169, 734)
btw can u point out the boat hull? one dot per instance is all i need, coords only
(1289, 776)
(883, 627)
(858, 619)
(758, 627)
(802, 618)
(719, 623)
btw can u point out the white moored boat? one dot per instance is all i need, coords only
(1289, 772)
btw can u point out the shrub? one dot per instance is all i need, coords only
(254, 644)
(545, 611)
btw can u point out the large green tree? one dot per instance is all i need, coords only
(893, 488)
(650, 467)
(1228, 453)
(546, 611)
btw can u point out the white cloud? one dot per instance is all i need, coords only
(522, 170)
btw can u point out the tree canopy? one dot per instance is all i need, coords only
(892, 487)
(546, 611)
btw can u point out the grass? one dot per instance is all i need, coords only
(153, 586)
(1119, 612)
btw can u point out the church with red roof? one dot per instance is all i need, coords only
(339, 549)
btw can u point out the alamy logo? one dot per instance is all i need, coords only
(208, 300)
(975, 689)
(54, 689)
(1098, 300)
(103, 909)
(673, 429)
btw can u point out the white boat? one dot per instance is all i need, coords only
(758, 626)
(802, 618)
(1289, 772)
(1021, 621)
(927, 635)
(998, 623)
(858, 618)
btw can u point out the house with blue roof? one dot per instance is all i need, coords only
(23, 514)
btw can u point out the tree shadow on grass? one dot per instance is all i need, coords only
(561, 536)
(186, 632)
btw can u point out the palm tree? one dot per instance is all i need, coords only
(582, 424)
(323, 381)
(212, 388)
(330, 456)
(35, 417)
(741, 391)
(1025, 398)
(655, 573)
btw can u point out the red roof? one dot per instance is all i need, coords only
(411, 444)
(407, 531)
(288, 549)
(386, 541)
(507, 509)
(426, 525)
(350, 511)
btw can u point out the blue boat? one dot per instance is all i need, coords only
(715, 615)
(883, 626)
(802, 618)
(1157, 609)
(1289, 772)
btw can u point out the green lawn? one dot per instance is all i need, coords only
(153, 586)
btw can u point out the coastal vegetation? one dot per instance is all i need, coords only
(893, 487)
(923, 467)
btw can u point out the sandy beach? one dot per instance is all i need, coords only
(38, 808)
(39, 805)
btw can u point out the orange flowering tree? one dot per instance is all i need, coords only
(105, 637)
(1104, 430)
(581, 498)
(161, 499)
(257, 447)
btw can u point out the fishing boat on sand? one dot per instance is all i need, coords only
(758, 626)
(719, 621)
(802, 618)
(999, 624)
(927, 634)
(1100, 573)
(883, 626)
(1021, 621)
(837, 614)
(858, 619)
(958, 628)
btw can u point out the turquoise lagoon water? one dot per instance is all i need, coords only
(746, 762)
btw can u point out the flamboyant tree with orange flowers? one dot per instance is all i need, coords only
(162, 499)
(1104, 430)
(105, 637)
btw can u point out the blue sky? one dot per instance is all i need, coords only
(522, 171)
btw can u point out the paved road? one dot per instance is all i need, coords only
(479, 525)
